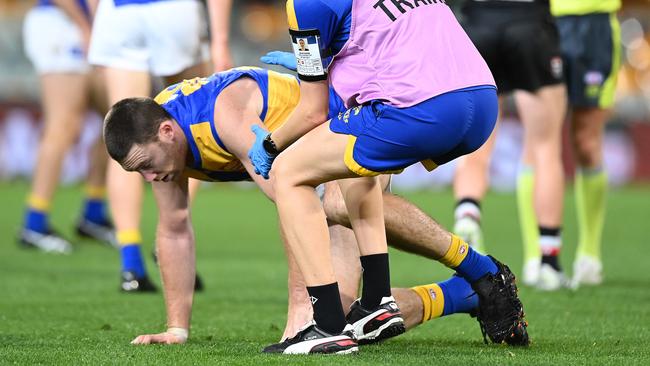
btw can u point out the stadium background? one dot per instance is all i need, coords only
(67, 309)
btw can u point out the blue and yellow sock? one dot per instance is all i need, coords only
(470, 264)
(129, 241)
(95, 205)
(445, 298)
(37, 214)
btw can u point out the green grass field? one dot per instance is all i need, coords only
(67, 309)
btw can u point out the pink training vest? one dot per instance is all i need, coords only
(405, 52)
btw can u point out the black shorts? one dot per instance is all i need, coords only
(591, 50)
(521, 46)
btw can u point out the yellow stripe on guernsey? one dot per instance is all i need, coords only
(282, 96)
(456, 253)
(213, 157)
(581, 7)
(433, 301)
(291, 15)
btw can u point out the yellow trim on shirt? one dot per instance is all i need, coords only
(283, 96)
(355, 167)
(291, 15)
(213, 157)
(429, 165)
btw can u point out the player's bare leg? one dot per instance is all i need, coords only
(125, 189)
(65, 102)
(95, 222)
(588, 129)
(542, 114)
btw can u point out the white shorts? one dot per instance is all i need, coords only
(53, 42)
(162, 38)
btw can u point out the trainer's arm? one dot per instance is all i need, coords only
(176, 258)
(310, 112)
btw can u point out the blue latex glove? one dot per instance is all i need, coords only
(284, 59)
(260, 158)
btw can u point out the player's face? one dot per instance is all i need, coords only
(157, 161)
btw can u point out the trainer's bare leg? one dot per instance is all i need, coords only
(345, 257)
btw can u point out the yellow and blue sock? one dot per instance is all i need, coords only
(37, 214)
(95, 205)
(129, 241)
(591, 193)
(445, 298)
(470, 264)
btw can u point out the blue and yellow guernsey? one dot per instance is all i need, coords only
(191, 103)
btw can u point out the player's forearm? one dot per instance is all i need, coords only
(176, 257)
(310, 112)
(74, 12)
(219, 11)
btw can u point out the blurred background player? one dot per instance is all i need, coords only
(57, 33)
(591, 50)
(134, 40)
(520, 43)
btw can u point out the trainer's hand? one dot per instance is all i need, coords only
(258, 156)
(284, 59)
(164, 338)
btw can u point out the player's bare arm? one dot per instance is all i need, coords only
(176, 255)
(236, 109)
(310, 112)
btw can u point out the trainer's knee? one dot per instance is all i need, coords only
(281, 174)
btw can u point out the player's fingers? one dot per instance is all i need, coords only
(160, 338)
(143, 339)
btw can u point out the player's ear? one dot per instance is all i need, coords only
(166, 131)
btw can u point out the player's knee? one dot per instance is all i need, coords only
(587, 150)
(334, 205)
(61, 138)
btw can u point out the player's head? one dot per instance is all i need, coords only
(141, 136)
(301, 42)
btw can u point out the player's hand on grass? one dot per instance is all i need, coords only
(259, 157)
(284, 59)
(171, 336)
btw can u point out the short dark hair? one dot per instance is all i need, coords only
(132, 121)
